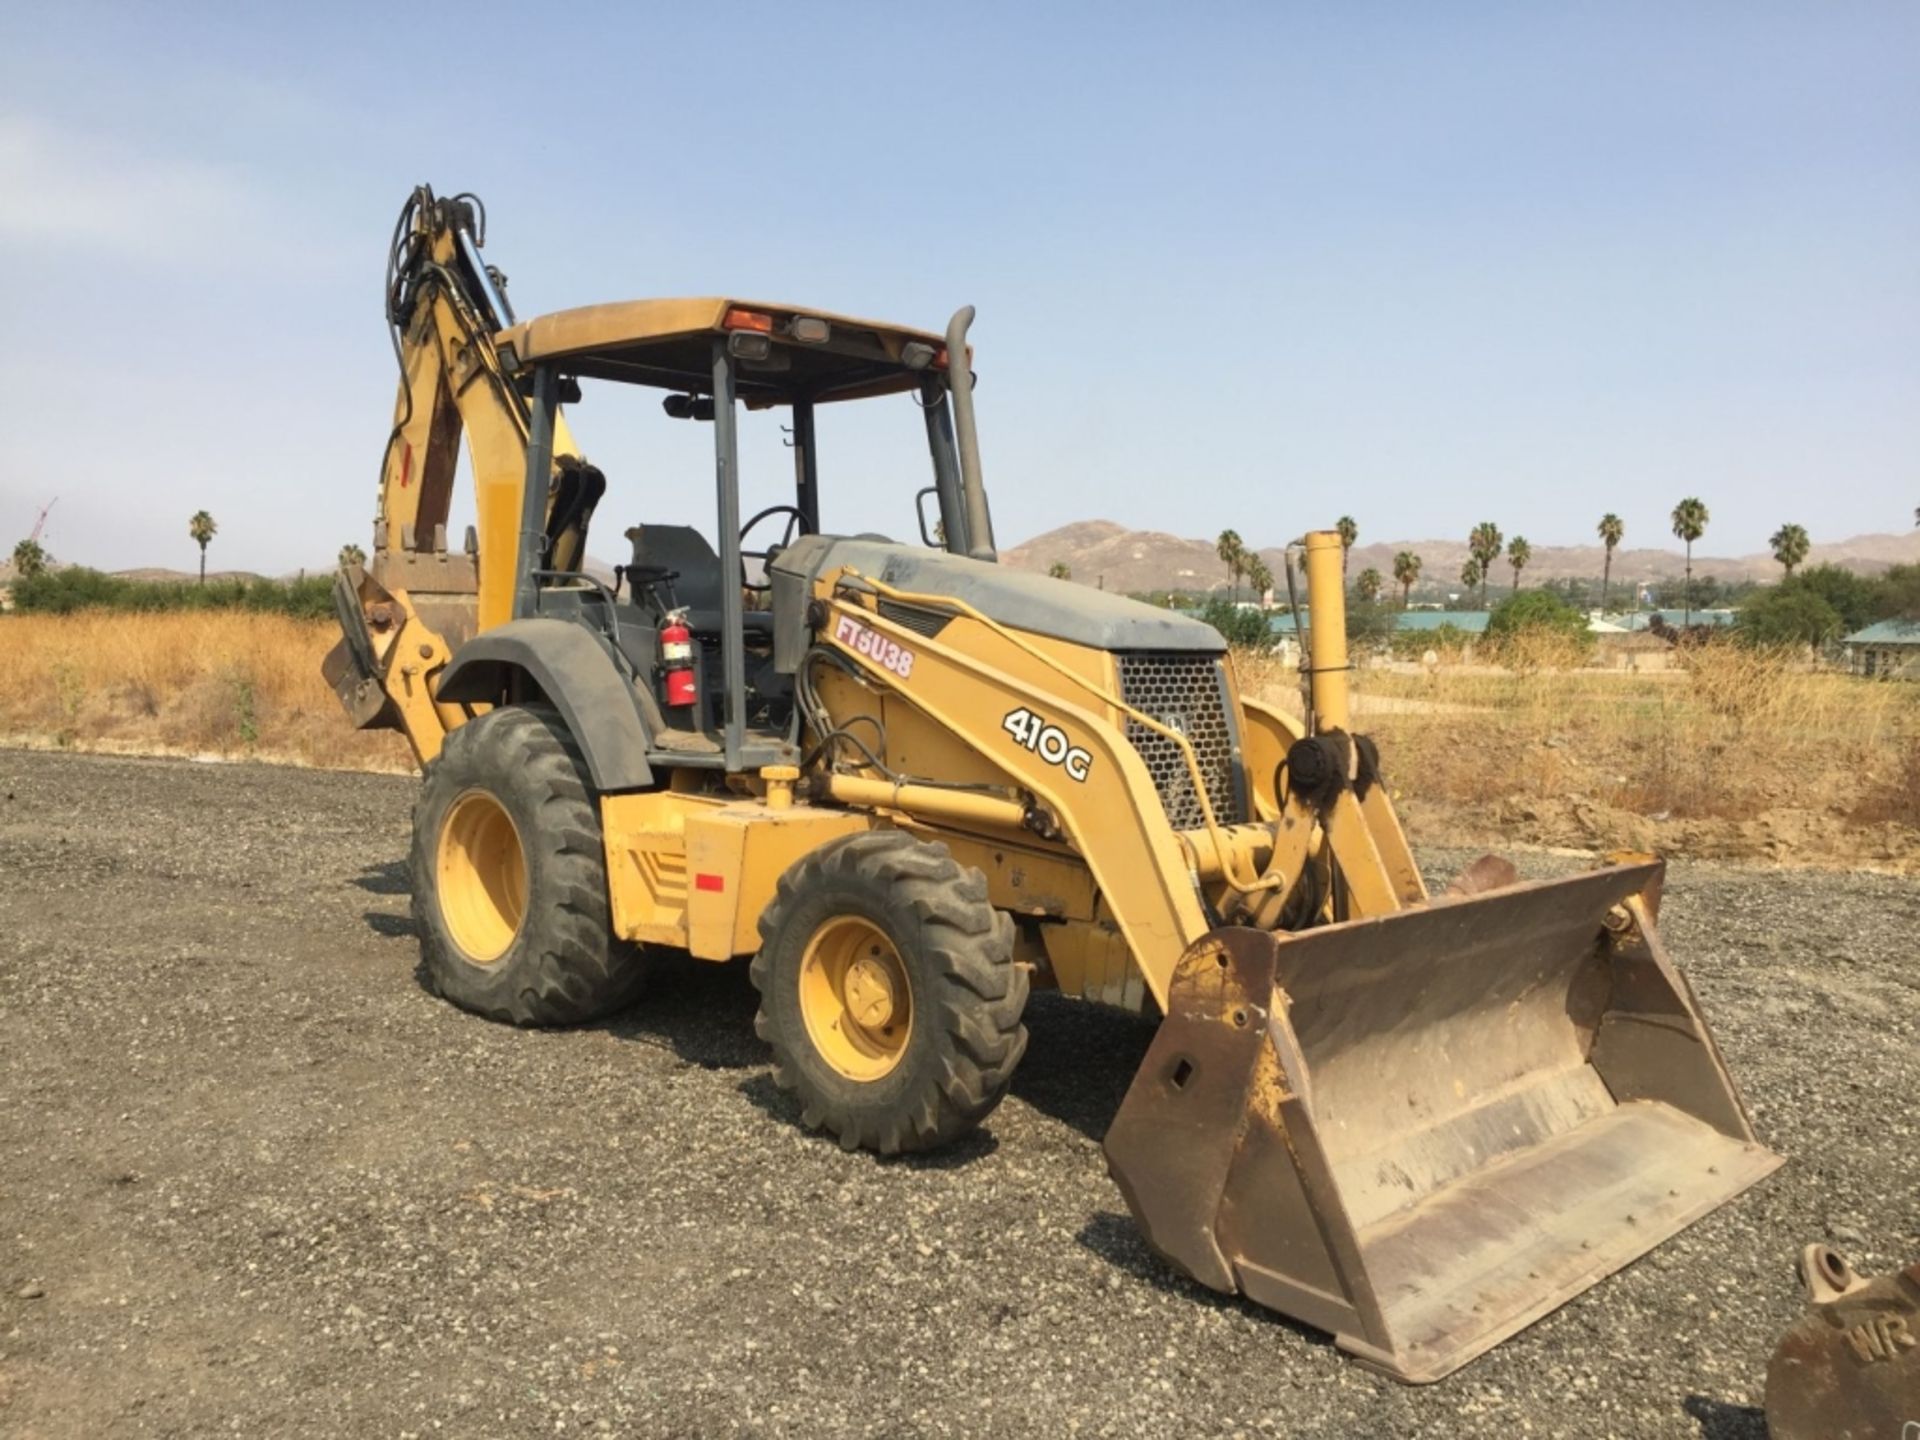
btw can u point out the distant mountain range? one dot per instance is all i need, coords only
(1103, 552)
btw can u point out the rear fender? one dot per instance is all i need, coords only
(577, 674)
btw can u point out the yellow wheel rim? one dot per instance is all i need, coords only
(482, 873)
(855, 997)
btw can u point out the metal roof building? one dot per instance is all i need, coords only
(1674, 616)
(1889, 649)
(1469, 622)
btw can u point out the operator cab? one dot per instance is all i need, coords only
(711, 357)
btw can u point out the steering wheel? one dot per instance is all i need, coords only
(796, 525)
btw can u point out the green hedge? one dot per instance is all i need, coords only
(1242, 629)
(64, 592)
(1537, 612)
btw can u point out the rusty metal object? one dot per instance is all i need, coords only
(1489, 872)
(1850, 1370)
(1425, 1130)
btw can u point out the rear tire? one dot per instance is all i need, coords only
(510, 876)
(889, 993)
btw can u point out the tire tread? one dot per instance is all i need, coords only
(579, 971)
(979, 1010)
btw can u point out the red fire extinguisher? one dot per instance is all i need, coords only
(676, 658)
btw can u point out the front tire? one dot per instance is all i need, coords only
(889, 993)
(510, 875)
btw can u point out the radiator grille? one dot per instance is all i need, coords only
(1186, 693)
(915, 617)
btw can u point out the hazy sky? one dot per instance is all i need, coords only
(1252, 266)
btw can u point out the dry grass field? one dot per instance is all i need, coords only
(222, 683)
(1739, 755)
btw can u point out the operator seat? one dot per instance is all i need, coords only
(696, 585)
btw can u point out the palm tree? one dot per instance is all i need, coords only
(1370, 585)
(1349, 532)
(1406, 570)
(1612, 530)
(1519, 552)
(1259, 577)
(352, 555)
(29, 559)
(1471, 575)
(202, 528)
(1484, 542)
(1233, 555)
(1790, 546)
(1689, 524)
(1060, 570)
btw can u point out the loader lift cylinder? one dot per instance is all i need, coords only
(1327, 663)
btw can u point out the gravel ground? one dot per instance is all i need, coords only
(255, 1180)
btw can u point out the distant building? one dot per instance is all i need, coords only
(1673, 617)
(1621, 642)
(1887, 650)
(1470, 622)
(1467, 622)
(1618, 648)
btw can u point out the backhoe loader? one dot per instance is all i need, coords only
(911, 784)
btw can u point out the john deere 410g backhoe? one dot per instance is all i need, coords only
(911, 784)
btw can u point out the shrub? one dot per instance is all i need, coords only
(1242, 629)
(1448, 641)
(68, 591)
(1532, 612)
(1370, 624)
(1789, 614)
(1854, 598)
(1899, 593)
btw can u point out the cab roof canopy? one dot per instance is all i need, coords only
(669, 344)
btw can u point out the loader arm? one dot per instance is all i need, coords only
(1104, 805)
(1164, 887)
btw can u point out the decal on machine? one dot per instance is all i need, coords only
(1049, 742)
(887, 654)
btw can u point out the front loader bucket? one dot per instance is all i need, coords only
(1424, 1131)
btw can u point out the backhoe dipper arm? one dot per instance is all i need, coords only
(445, 307)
